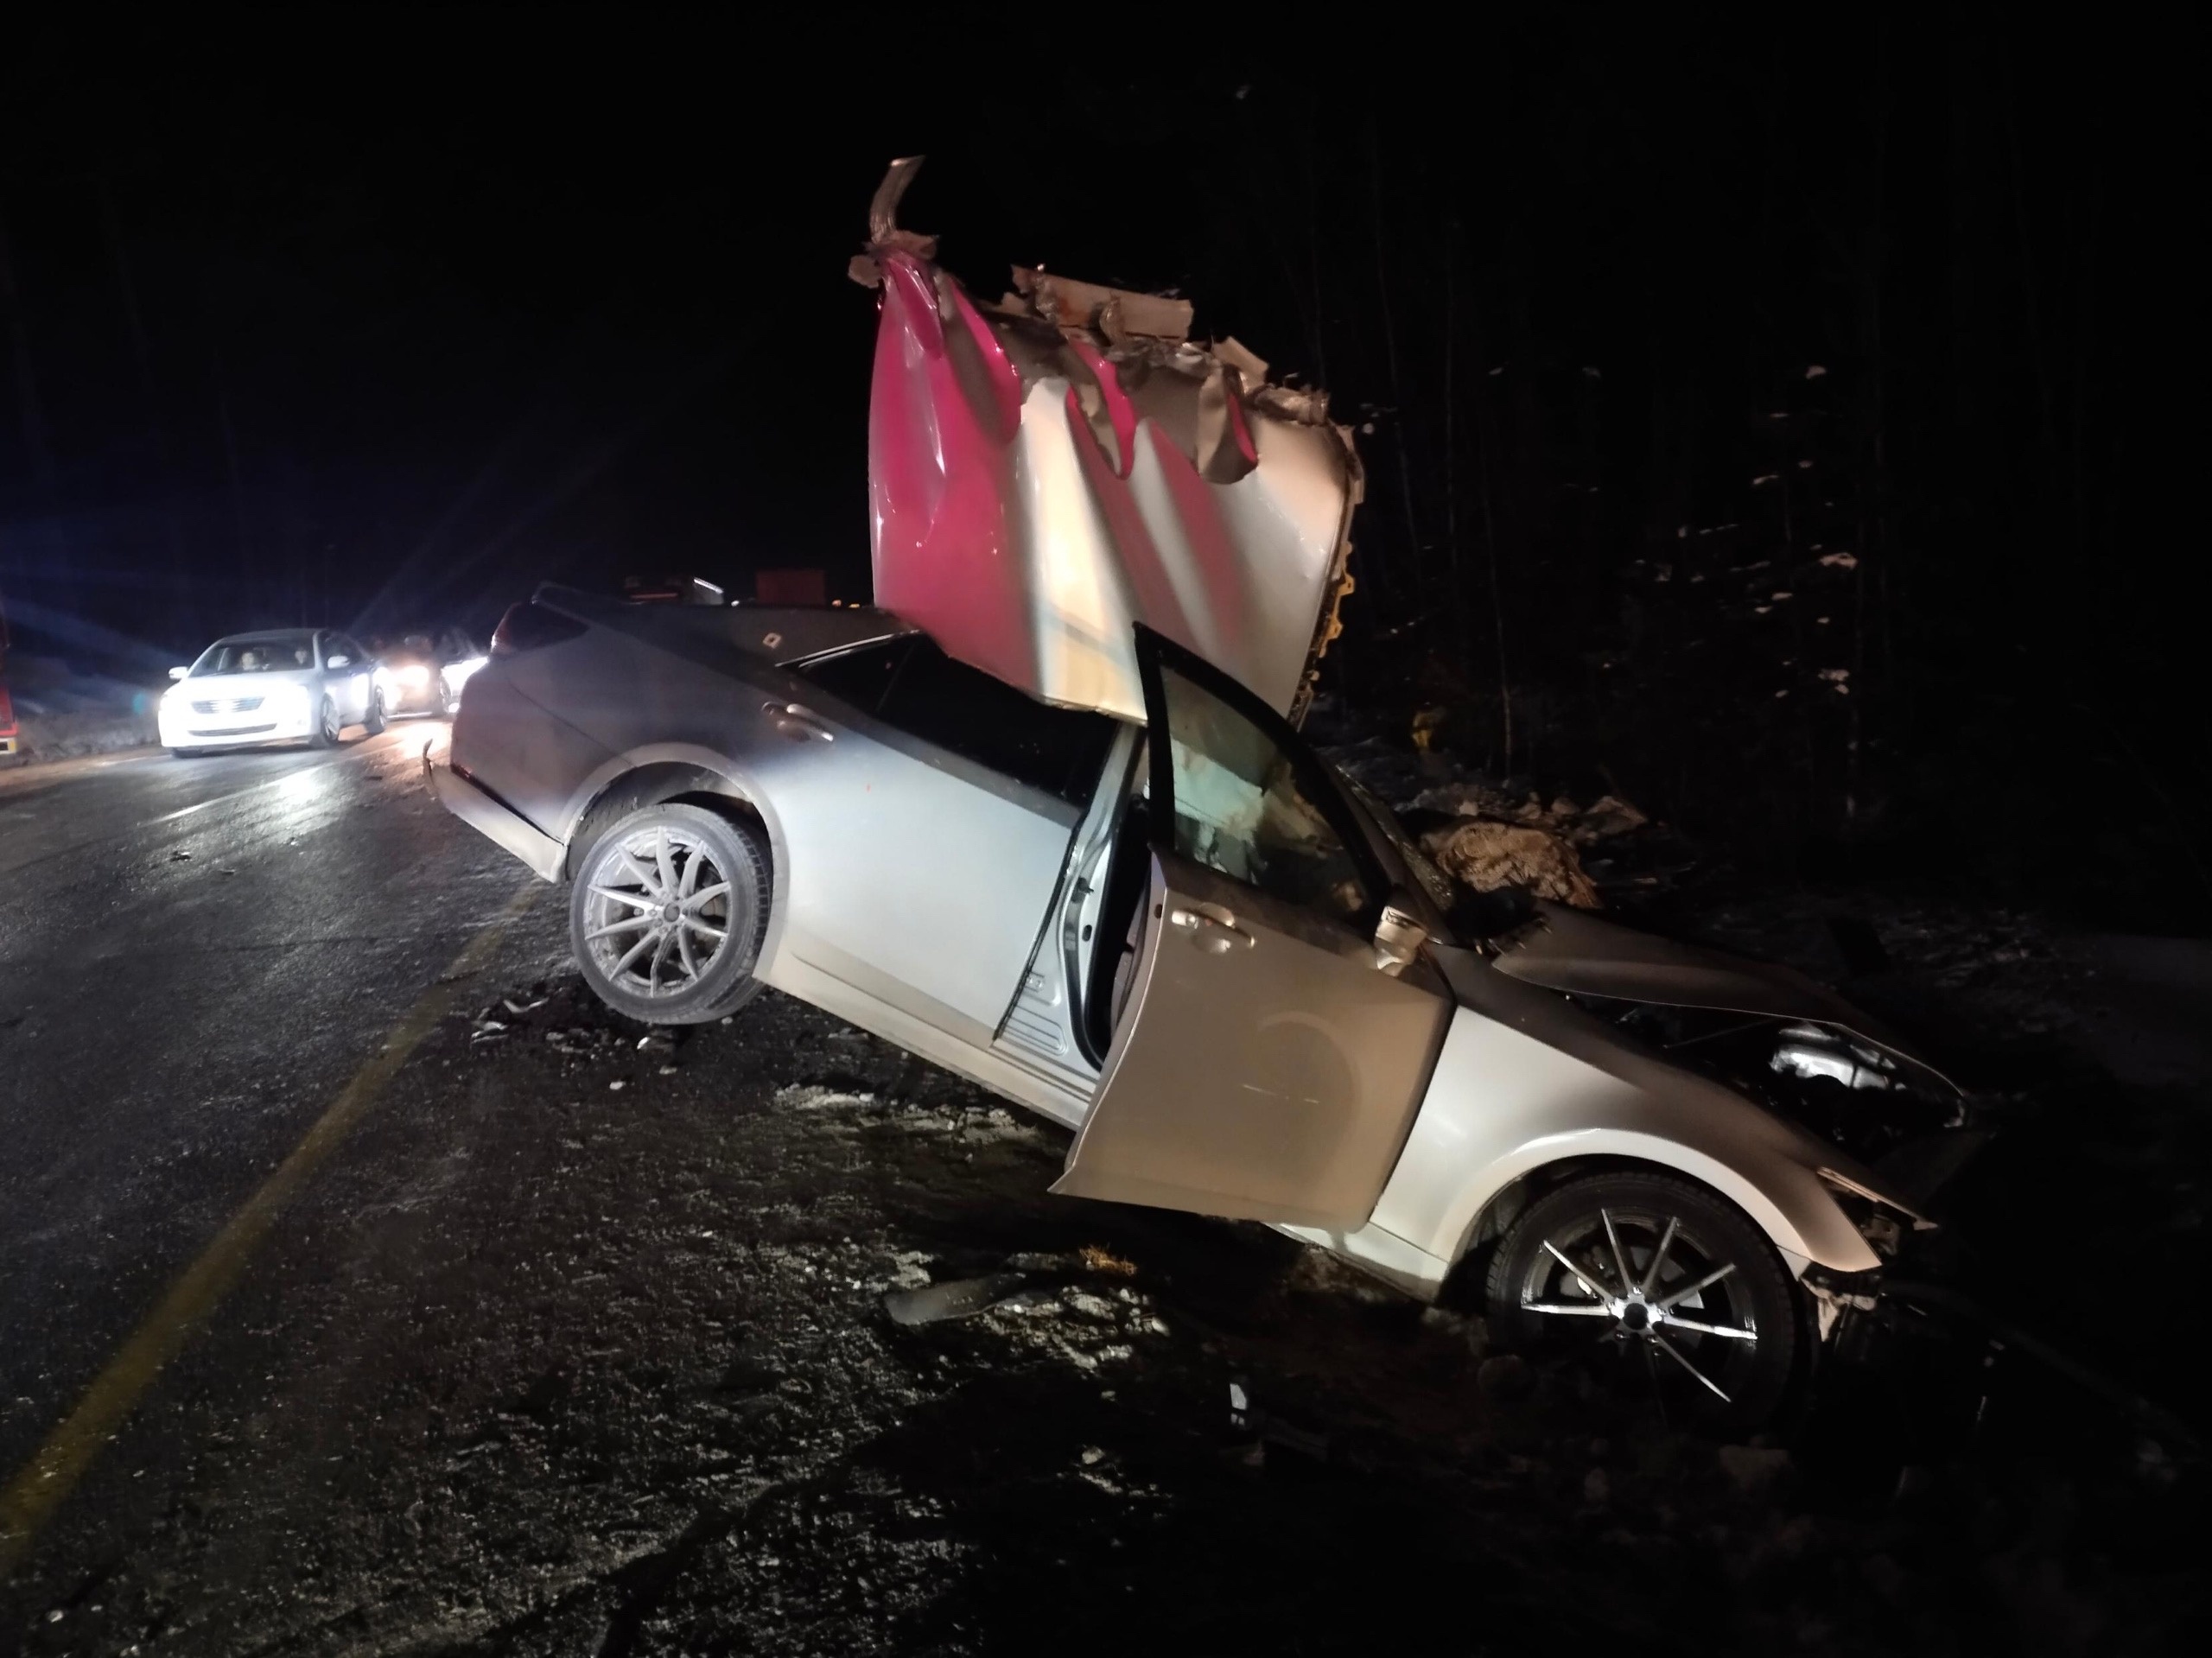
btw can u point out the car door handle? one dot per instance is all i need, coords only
(797, 723)
(1212, 928)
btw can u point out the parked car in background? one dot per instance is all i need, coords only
(286, 685)
(425, 672)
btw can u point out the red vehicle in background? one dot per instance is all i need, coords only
(6, 708)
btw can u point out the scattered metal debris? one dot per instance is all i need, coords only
(959, 1298)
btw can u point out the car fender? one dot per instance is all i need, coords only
(1528, 1081)
(740, 781)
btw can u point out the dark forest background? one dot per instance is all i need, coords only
(1790, 424)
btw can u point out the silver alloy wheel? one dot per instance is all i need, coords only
(660, 911)
(1662, 1286)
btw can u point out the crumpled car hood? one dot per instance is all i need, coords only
(1049, 470)
(1570, 950)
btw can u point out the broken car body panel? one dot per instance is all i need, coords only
(1046, 471)
(1526, 1081)
(1569, 951)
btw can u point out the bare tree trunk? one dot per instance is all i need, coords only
(30, 411)
(243, 554)
(1497, 598)
(1390, 357)
(142, 352)
(1874, 491)
(1462, 645)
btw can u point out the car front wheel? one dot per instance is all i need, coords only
(668, 912)
(372, 723)
(326, 725)
(1668, 1283)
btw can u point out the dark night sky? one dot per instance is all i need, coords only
(391, 316)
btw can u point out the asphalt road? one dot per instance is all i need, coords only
(384, 1293)
(194, 954)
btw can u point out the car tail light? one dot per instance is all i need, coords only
(532, 626)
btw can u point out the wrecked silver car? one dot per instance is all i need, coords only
(1043, 816)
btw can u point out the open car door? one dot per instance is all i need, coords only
(1265, 1067)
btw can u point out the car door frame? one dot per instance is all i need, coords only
(1426, 1004)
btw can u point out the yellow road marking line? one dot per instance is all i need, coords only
(30, 1498)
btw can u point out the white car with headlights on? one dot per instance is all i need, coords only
(425, 673)
(290, 685)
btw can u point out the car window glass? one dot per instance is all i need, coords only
(263, 656)
(986, 719)
(910, 684)
(1246, 807)
(859, 676)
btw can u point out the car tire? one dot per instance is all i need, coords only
(325, 733)
(667, 914)
(1731, 1368)
(373, 724)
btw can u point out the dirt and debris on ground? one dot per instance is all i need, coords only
(1489, 856)
(553, 1367)
(586, 1343)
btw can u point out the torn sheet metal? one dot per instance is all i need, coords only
(1567, 950)
(1046, 470)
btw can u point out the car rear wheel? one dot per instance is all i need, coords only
(668, 912)
(326, 725)
(1667, 1283)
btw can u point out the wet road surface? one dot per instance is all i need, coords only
(195, 954)
(574, 1343)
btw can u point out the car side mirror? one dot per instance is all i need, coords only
(1398, 939)
(341, 661)
(179, 673)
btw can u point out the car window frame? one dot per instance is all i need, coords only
(1155, 651)
(880, 724)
